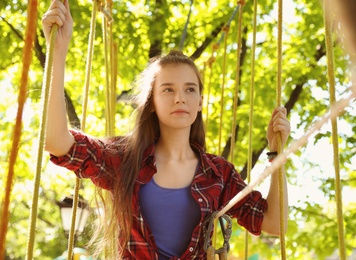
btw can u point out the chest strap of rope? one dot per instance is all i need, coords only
(208, 228)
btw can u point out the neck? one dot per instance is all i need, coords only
(174, 146)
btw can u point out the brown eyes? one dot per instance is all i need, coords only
(189, 89)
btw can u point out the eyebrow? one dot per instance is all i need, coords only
(165, 84)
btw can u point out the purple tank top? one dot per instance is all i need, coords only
(171, 214)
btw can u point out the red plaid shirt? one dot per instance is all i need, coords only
(215, 183)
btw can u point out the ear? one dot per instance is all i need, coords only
(200, 103)
(151, 103)
(152, 108)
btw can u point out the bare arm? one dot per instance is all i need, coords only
(58, 139)
(278, 124)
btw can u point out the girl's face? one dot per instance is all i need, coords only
(176, 96)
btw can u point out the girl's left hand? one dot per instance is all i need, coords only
(278, 124)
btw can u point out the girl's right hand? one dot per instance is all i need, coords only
(58, 13)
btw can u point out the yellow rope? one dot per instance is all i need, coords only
(112, 92)
(210, 66)
(108, 51)
(252, 97)
(279, 54)
(226, 30)
(211, 60)
(112, 249)
(237, 81)
(107, 76)
(334, 111)
(71, 238)
(280, 148)
(113, 86)
(331, 80)
(89, 64)
(45, 97)
(210, 253)
(73, 219)
(26, 61)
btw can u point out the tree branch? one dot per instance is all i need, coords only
(315, 213)
(227, 148)
(157, 37)
(293, 98)
(17, 33)
(41, 56)
(197, 53)
(72, 114)
(74, 120)
(48, 223)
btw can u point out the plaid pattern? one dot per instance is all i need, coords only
(215, 183)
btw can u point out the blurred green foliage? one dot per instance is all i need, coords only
(141, 26)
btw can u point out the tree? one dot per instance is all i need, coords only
(142, 30)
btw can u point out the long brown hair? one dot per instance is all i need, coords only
(146, 130)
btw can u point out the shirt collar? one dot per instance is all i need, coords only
(207, 165)
(149, 153)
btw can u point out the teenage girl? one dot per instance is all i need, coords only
(162, 182)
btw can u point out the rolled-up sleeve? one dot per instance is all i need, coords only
(250, 214)
(249, 211)
(86, 158)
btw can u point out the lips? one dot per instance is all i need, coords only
(180, 112)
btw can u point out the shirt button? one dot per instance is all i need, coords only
(200, 199)
(191, 249)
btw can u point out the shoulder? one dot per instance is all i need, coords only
(218, 165)
(212, 163)
(218, 161)
(79, 136)
(104, 148)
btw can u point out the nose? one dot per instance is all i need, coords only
(179, 97)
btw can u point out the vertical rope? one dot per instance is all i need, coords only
(237, 80)
(107, 74)
(223, 72)
(224, 36)
(206, 90)
(279, 54)
(333, 112)
(112, 249)
(280, 148)
(114, 81)
(71, 238)
(331, 80)
(26, 61)
(210, 63)
(73, 219)
(112, 92)
(212, 60)
(89, 63)
(44, 104)
(252, 96)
